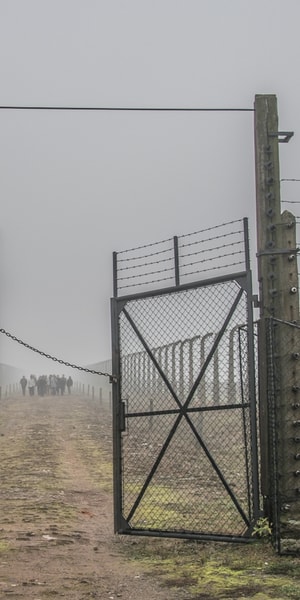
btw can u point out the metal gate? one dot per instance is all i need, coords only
(184, 416)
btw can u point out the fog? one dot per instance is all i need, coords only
(77, 185)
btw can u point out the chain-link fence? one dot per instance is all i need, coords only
(186, 464)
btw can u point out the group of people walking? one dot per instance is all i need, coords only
(54, 385)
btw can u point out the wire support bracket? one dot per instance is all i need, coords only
(282, 136)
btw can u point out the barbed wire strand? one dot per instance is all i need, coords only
(238, 243)
(182, 276)
(182, 256)
(130, 285)
(170, 249)
(58, 360)
(213, 268)
(185, 235)
(183, 265)
(145, 246)
(216, 237)
(289, 179)
(210, 228)
(153, 262)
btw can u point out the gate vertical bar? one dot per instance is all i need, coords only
(176, 260)
(115, 275)
(116, 413)
(251, 375)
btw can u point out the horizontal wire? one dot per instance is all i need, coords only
(217, 237)
(209, 249)
(125, 108)
(290, 201)
(171, 249)
(210, 228)
(213, 268)
(289, 179)
(211, 259)
(183, 256)
(143, 283)
(183, 266)
(182, 236)
(153, 262)
(145, 246)
(145, 274)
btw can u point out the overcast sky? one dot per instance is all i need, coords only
(75, 186)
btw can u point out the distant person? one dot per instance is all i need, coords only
(23, 382)
(62, 385)
(42, 383)
(69, 384)
(31, 385)
(52, 384)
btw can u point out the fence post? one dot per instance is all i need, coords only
(278, 298)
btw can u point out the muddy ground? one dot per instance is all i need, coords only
(56, 507)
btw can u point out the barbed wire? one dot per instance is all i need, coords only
(183, 275)
(153, 262)
(145, 274)
(183, 256)
(217, 237)
(211, 228)
(203, 260)
(183, 236)
(238, 243)
(144, 255)
(289, 179)
(241, 262)
(130, 285)
(58, 360)
(220, 266)
(145, 246)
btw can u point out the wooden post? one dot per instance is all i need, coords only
(278, 298)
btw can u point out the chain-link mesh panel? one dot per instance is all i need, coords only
(284, 433)
(186, 461)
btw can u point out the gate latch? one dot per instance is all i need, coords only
(122, 416)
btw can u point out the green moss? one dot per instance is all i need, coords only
(4, 546)
(218, 571)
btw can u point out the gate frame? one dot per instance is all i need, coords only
(244, 280)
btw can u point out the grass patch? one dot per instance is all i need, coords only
(210, 571)
(4, 546)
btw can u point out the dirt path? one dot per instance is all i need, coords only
(56, 519)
